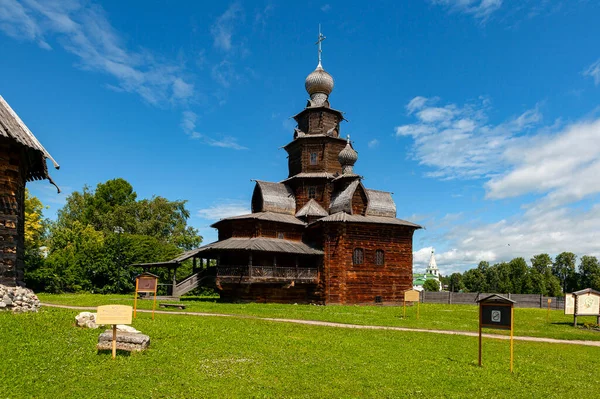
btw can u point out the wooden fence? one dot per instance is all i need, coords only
(469, 298)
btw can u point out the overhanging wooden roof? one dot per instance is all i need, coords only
(268, 216)
(346, 218)
(260, 244)
(12, 127)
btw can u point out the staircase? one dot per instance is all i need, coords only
(205, 277)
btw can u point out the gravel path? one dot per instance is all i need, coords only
(356, 326)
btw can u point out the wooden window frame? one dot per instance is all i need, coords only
(358, 256)
(314, 158)
(314, 192)
(379, 261)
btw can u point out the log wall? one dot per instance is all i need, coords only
(347, 283)
(12, 212)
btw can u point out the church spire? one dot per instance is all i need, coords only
(319, 40)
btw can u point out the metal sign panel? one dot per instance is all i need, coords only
(411, 296)
(496, 316)
(114, 314)
(588, 304)
(569, 304)
(147, 284)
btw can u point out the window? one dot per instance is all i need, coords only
(379, 257)
(312, 192)
(359, 256)
(313, 158)
(281, 236)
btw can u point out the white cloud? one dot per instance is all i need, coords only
(593, 71)
(82, 28)
(373, 143)
(481, 9)
(542, 231)
(223, 28)
(458, 141)
(325, 7)
(188, 124)
(566, 165)
(415, 104)
(224, 209)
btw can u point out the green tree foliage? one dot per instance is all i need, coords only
(431, 285)
(589, 273)
(99, 233)
(456, 282)
(564, 269)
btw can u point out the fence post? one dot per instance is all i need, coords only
(541, 300)
(449, 297)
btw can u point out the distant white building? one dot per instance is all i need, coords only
(432, 272)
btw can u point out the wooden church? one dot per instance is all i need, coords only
(318, 236)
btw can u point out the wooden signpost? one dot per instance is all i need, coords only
(113, 314)
(145, 282)
(496, 311)
(548, 314)
(411, 296)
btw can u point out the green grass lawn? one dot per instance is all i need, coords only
(44, 356)
(529, 322)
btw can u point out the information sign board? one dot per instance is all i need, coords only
(411, 296)
(569, 304)
(147, 284)
(114, 314)
(588, 304)
(496, 316)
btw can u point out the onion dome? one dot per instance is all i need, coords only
(347, 157)
(319, 85)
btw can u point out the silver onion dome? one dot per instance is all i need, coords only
(319, 82)
(347, 157)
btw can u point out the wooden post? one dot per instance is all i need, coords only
(480, 335)
(154, 302)
(114, 341)
(250, 265)
(575, 311)
(418, 307)
(548, 314)
(174, 281)
(194, 266)
(135, 299)
(404, 312)
(512, 327)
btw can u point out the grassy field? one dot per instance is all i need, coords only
(44, 356)
(529, 322)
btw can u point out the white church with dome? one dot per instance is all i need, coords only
(432, 272)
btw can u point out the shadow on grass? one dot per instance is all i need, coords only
(108, 352)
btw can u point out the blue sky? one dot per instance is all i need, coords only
(481, 116)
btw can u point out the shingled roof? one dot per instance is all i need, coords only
(260, 244)
(12, 127)
(273, 197)
(312, 208)
(380, 203)
(346, 218)
(267, 216)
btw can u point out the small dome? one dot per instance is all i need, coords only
(348, 156)
(319, 81)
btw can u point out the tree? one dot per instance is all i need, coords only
(589, 273)
(35, 224)
(564, 269)
(541, 263)
(99, 233)
(456, 283)
(431, 285)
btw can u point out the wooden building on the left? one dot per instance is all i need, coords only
(22, 159)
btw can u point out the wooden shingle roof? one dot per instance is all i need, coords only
(12, 127)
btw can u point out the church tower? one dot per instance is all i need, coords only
(314, 153)
(432, 267)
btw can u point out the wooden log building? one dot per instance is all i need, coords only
(318, 236)
(22, 159)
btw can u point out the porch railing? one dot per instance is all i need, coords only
(268, 272)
